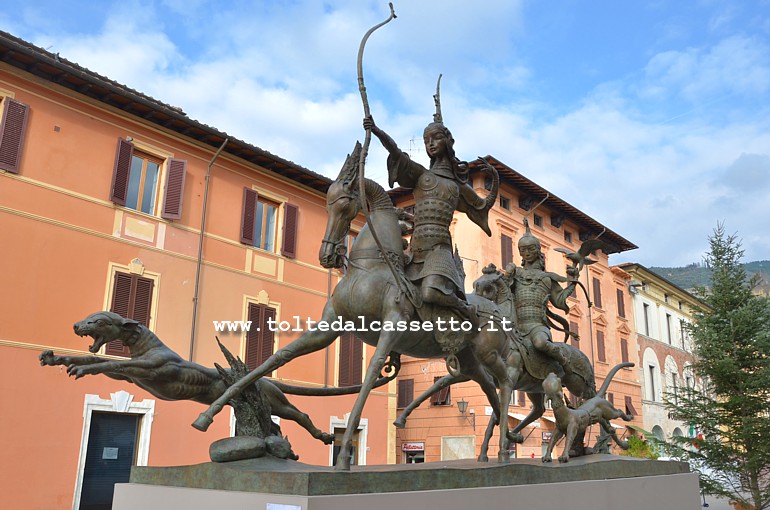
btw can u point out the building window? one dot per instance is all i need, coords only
(505, 202)
(651, 373)
(506, 249)
(351, 360)
(337, 446)
(621, 303)
(611, 398)
(135, 179)
(260, 339)
(597, 288)
(440, 398)
(538, 220)
(522, 396)
(668, 327)
(623, 350)
(575, 339)
(13, 126)
(131, 299)
(259, 221)
(405, 392)
(666, 298)
(567, 237)
(646, 310)
(674, 388)
(143, 182)
(600, 354)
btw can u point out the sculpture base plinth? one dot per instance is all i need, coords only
(590, 483)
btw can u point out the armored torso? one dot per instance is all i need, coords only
(530, 292)
(436, 199)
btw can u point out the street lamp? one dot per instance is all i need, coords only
(462, 406)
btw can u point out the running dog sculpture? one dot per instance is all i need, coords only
(572, 423)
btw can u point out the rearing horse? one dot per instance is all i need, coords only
(370, 290)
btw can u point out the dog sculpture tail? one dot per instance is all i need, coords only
(606, 384)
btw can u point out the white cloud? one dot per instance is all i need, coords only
(660, 172)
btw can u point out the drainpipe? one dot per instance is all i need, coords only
(326, 351)
(200, 248)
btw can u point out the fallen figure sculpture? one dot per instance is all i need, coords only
(157, 369)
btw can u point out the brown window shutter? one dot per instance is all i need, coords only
(248, 216)
(522, 398)
(12, 130)
(623, 350)
(597, 292)
(600, 355)
(621, 303)
(405, 392)
(506, 248)
(259, 339)
(630, 407)
(611, 398)
(175, 176)
(441, 397)
(573, 327)
(290, 226)
(268, 336)
(121, 171)
(254, 315)
(142, 300)
(350, 360)
(132, 299)
(343, 377)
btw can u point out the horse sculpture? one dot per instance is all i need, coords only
(372, 291)
(527, 368)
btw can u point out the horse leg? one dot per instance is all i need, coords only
(538, 409)
(506, 389)
(439, 385)
(385, 344)
(484, 450)
(310, 341)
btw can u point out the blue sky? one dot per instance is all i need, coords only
(652, 117)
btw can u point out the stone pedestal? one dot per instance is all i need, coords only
(592, 483)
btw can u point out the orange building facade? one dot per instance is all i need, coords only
(437, 430)
(102, 197)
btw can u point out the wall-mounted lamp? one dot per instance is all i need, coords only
(462, 406)
(129, 139)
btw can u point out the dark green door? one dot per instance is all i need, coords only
(111, 453)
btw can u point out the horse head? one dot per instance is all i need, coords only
(491, 285)
(342, 206)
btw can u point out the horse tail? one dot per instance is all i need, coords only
(392, 367)
(610, 375)
(308, 391)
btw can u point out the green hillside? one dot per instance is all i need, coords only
(698, 275)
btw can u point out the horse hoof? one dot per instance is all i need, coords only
(518, 437)
(399, 423)
(503, 457)
(203, 422)
(483, 458)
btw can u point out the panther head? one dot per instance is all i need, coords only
(104, 327)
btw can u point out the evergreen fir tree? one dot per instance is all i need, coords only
(729, 410)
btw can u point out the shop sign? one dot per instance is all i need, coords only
(547, 436)
(413, 447)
